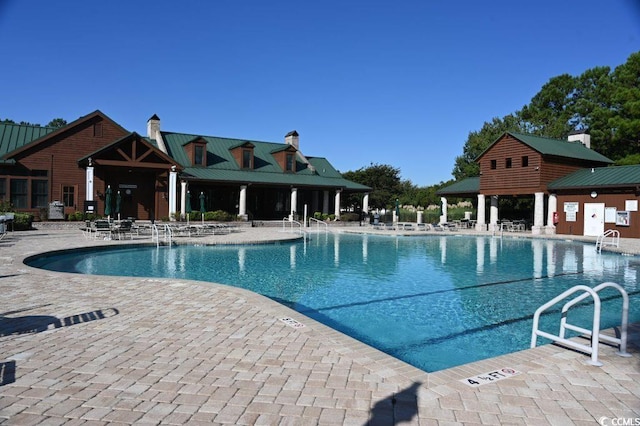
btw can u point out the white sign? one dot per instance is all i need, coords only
(610, 214)
(490, 377)
(631, 205)
(572, 207)
(571, 216)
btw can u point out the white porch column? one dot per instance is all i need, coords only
(538, 214)
(552, 209)
(242, 203)
(443, 201)
(493, 214)
(481, 224)
(365, 203)
(420, 213)
(294, 202)
(173, 187)
(336, 209)
(325, 202)
(183, 199)
(89, 183)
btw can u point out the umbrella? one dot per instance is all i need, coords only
(187, 206)
(118, 203)
(107, 202)
(202, 209)
(397, 210)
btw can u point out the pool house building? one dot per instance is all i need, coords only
(575, 189)
(75, 166)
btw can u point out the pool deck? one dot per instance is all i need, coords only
(81, 349)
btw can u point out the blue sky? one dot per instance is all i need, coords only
(398, 83)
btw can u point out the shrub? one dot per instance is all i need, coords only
(350, 217)
(22, 221)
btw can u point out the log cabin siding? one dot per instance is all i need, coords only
(510, 181)
(57, 153)
(610, 199)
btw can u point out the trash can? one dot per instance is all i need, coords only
(56, 210)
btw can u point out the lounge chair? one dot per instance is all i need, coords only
(102, 229)
(122, 230)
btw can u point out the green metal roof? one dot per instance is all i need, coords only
(466, 186)
(599, 177)
(15, 136)
(222, 166)
(556, 147)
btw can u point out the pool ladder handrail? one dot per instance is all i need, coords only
(318, 223)
(294, 226)
(594, 333)
(614, 239)
(155, 234)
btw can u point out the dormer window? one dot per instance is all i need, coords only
(290, 163)
(198, 155)
(196, 150)
(247, 159)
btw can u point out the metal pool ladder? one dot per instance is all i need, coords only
(611, 237)
(594, 333)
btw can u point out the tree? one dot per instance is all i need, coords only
(478, 142)
(57, 123)
(385, 181)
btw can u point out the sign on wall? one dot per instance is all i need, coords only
(631, 205)
(622, 218)
(610, 214)
(571, 209)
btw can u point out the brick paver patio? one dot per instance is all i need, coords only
(78, 349)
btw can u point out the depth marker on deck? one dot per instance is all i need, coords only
(292, 323)
(492, 376)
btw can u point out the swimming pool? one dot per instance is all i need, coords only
(432, 301)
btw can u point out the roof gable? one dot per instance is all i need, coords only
(58, 132)
(131, 150)
(554, 148)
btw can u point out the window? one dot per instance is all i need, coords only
(39, 193)
(246, 159)
(507, 163)
(525, 161)
(3, 189)
(69, 196)
(494, 164)
(97, 130)
(289, 163)
(19, 193)
(198, 156)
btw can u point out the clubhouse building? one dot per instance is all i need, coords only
(158, 176)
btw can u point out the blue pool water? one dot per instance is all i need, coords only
(432, 301)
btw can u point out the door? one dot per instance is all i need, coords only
(593, 219)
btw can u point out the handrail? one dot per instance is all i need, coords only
(601, 241)
(318, 223)
(155, 234)
(594, 333)
(168, 234)
(292, 223)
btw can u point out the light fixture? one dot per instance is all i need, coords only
(594, 194)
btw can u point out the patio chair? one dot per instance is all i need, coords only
(123, 229)
(102, 229)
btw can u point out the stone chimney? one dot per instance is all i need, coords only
(292, 138)
(153, 127)
(153, 132)
(581, 136)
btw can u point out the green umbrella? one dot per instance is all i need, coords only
(107, 202)
(187, 206)
(397, 210)
(202, 208)
(118, 204)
